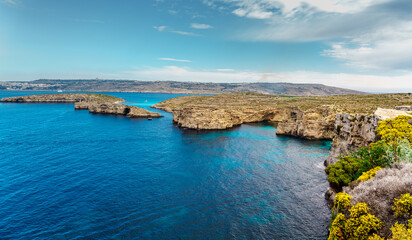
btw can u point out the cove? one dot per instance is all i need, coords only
(68, 174)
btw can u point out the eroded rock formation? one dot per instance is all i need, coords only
(116, 109)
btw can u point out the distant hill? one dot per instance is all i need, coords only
(98, 85)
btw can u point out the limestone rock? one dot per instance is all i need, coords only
(115, 109)
(352, 132)
(317, 123)
(384, 114)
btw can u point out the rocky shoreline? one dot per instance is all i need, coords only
(95, 103)
(348, 121)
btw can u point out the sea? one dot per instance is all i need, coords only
(67, 174)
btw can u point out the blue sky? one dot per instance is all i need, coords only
(358, 44)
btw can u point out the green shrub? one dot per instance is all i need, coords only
(373, 156)
(346, 170)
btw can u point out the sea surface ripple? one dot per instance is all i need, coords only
(67, 174)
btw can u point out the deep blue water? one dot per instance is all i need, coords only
(67, 174)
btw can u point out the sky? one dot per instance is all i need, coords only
(358, 44)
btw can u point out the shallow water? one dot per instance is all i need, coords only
(67, 174)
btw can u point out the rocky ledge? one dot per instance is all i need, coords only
(95, 103)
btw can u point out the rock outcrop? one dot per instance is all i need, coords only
(353, 131)
(95, 103)
(115, 109)
(316, 123)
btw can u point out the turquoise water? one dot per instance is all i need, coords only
(67, 174)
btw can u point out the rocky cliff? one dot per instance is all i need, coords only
(95, 103)
(353, 131)
(315, 123)
(305, 117)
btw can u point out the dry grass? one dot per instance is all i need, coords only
(343, 103)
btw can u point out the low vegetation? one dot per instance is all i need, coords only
(377, 181)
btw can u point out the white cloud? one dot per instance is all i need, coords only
(351, 81)
(200, 26)
(249, 8)
(160, 28)
(174, 60)
(386, 48)
(368, 34)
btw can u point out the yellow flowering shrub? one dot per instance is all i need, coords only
(337, 228)
(342, 201)
(403, 206)
(376, 237)
(400, 232)
(369, 174)
(397, 128)
(358, 227)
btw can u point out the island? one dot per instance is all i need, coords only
(94, 102)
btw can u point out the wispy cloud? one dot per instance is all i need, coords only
(200, 26)
(185, 33)
(173, 12)
(12, 3)
(167, 29)
(174, 60)
(160, 28)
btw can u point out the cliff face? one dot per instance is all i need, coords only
(317, 123)
(353, 131)
(312, 124)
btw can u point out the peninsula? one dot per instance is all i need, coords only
(95, 103)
